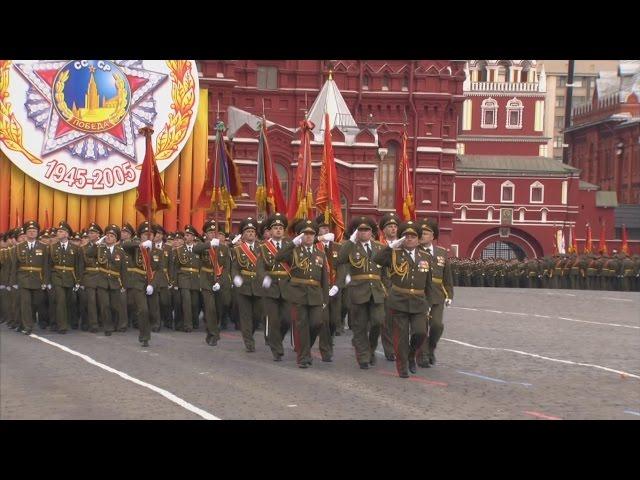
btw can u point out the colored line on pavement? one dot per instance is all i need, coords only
(491, 379)
(598, 323)
(631, 412)
(534, 355)
(414, 379)
(543, 416)
(618, 299)
(168, 395)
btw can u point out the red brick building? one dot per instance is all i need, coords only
(604, 143)
(370, 101)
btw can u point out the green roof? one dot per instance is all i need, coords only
(511, 164)
(606, 199)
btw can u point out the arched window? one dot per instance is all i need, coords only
(463, 213)
(514, 113)
(386, 82)
(477, 191)
(283, 176)
(507, 193)
(405, 83)
(544, 215)
(387, 176)
(521, 215)
(482, 71)
(490, 213)
(489, 113)
(536, 192)
(366, 80)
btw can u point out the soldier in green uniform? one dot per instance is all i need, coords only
(140, 279)
(223, 296)
(308, 289)
(65, 264)
(440, 292)
(410, 272)
(533, 271)
(90, 277)
(215, 261)
(127, 232)
(248, 289)
(366, 291)
(6, 310)
(389, 226)
(274, 277)
(160, 300)
(627, 273)
(31, 275)
(177, 241)
(111, 264)
(48, 316)
(186, 265)
(13, 301)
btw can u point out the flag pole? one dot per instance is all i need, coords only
(147, 132)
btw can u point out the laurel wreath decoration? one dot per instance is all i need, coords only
(60, 102)
(183, 96)
(10, 129)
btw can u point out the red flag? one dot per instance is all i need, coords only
(555, 238)
(328, 201)
(602, 247)
(222, 181)
(588, 245)
(405, 207)
(625, 243)
(301, 197)
(574, 240)
(269, 197)
(151, 195)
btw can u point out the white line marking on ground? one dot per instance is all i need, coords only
(168, 395)
(569, 362)
(618, 299)
(598, 323)
(631, 412)
(292, 405)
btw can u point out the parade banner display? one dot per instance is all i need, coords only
(73, 125)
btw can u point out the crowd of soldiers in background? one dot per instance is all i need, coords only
(618, 271)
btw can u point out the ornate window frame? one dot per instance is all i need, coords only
(539, 185)
(511, 185)
(489, 105)
(478, 183)
(514, 105)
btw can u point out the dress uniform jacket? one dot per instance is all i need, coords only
(31, 267)
(309, 275)
(366, 274)
(65, 266)
(160, 261)
(268, 265)
(136, 276)
(441, 276)
(245, 268)
(111, 266)
(208, 276)
(187, 267)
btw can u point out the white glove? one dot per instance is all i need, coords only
(236, 239)
(81, 287)
(123, 290)
(448, 302)
(353, 236)
(101, 239)
(327, 237)
(15, 287)
(397, 243)
(237, 281)
(216, 287)
(147, 244)
(49, 286)
(333, 290)
(324, 305)
(149, 289)
(8, 288)
(176, 287)
(298, 240)
(44, 287)
(266, 283)
(2, 287)
(215, 242)
(347, 279)
(76, 287)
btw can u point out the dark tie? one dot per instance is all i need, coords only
(64, 249)
(368, 250)
(278, 245)
(251, 247)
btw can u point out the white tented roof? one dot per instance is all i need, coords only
(237, 117)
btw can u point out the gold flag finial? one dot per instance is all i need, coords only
(330, 74)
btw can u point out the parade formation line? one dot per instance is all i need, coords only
(168, 395)
(534, 355)
(542, 416)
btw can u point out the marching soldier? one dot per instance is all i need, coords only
(308, 289)
(65, 265)
(215, 260)
(6, 310)
(532, 273)
(627, 273)
(127, 232)
(91, 277)
(30, 275)
(139, 277)
(389, 226)
(17, 236)
(440, 293)
(366, 291)
(248, 290)
(112, 268)
(410, 273)
(160, 301)
(186, 265)
(48, 318)
(274, 277)
(223, 296)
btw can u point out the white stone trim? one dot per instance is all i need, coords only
(514, 105)
(536, 184)
(508, 183)
(478, 183)
(489, 105)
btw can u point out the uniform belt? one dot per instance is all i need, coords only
(436, 280)
(31, 269)
(305, 281)
(248, 273)
(187, 269)
(410, 291)
(208, 270)
(66, 269)
(92, 269)
(109, 272)
(277, 273)
(533, 274)
(136, 270)
(627, 270)
(367, 276)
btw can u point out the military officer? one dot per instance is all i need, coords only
(440, 293)
(127, 232)
(389, 226)
(186, 264)
(410, 271)
(366, 291)
(65, 265)
(90, 276)
(244, 269)
(308, 289)
(160, 301)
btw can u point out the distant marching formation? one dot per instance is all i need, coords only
(393, 290)
(620, 271)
